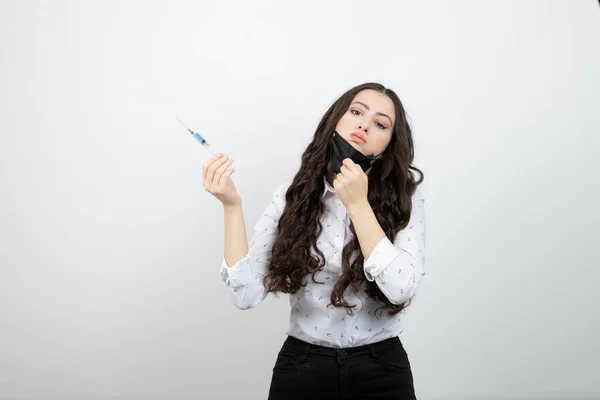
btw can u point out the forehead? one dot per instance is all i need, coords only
(376, 101)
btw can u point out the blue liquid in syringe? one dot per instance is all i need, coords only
(198, 137)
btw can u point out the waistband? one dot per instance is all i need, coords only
(372, 348)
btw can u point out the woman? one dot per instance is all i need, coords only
(346, 240)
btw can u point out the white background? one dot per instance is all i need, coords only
(110, 248)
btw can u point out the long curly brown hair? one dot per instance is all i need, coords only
(391, 186)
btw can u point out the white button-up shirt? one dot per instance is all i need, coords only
(397, 267)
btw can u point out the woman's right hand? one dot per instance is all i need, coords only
(216, 179)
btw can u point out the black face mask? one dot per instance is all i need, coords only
(341, 149)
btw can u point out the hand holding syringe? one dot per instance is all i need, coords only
(216, 173)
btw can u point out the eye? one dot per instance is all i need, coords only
(378, 124)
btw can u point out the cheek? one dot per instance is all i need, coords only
(344, 122)
(379, 144)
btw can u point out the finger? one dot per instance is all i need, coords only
(219, 172)
(348, 163)
(345, 170)
(209, 162)
(212, 159)
(222, 169)
(337, 184)
(224, 177)
(210, 173)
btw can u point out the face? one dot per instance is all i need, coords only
(369, 122)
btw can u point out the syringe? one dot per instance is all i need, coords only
(199, 138)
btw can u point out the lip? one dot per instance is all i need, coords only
(360, 138)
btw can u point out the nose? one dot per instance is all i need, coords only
(363, 126)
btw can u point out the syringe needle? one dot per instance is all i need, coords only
(188, 129)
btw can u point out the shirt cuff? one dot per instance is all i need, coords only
(237, 275)
(381, 256)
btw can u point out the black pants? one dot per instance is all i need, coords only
(375, 371)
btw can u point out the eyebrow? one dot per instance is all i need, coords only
(377, 113)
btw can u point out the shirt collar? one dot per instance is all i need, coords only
(328, 188)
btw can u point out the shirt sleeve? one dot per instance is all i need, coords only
(244, 280)
(398, 267)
